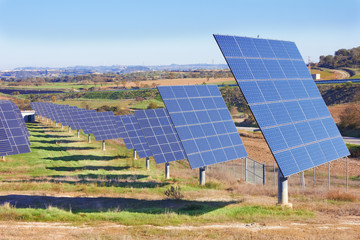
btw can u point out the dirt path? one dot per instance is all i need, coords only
(341, 74)
(347, 228)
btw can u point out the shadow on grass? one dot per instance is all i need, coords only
(50, 136)
(122, 181)
(54, 141)
(64, 148)
(103, 204)
(93, 168)
(85, 157)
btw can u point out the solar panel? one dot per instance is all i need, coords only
(103, 126)
(160, 135)
(136, 136)
(284, 101)
(18, 139)
(122, 131)
(203, 123)
(86, 120)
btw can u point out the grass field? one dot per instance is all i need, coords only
(73, 186)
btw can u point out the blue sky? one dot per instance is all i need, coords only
(58, 33)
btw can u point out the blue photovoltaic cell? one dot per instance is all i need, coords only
(103, 126)
(12, 128)
(160, 135)
(136, 136)
(285, 102)
(207, 133)
(122, 131)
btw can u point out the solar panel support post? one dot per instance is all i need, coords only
(3, 158)
(69, 130)
(202, 176)
(167, 170)
(103, 145)
(302, 180)
(314, 178)
(274, 174)
(147, 163)
(283, 194)
(134, 153)
(62, 126)
(78, 133)
(347, 174)
(89, 138)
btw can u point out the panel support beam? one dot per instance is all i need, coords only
(89, 138)
(167, 170)
(3, 158)
(302, 180)
(283, 195)
(202, 176)
(103, 145)
(347, 174)
(134, 153)
(328, 175)
(69, 130)
(78, 133)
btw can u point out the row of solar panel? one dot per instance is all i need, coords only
(199, 128)
(14, 135)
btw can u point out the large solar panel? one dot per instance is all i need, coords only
(160, 135)
(136, 136)
(122, 131)
(86, 120)
(284, 101)
(103, 126)
(203, 123)
(17, 137)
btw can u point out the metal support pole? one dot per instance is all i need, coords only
(274, 174)
(69, 129)
(283, 195)
(62, 126)
(134, 153)
(89, 138)
(302, 180)
(167, 170)
(202, 176)
(147, 163)
(103, 145)
(56, 124)
(314, 178)
(245, 169)
(347, 174)
(329, 175)
(3, 158)
(264, 168)
(78, 133)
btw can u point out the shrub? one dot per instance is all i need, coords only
(152, 105)
(341, 196)
(174, 193)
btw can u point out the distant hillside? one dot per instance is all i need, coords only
(343, 58)
(33, 72)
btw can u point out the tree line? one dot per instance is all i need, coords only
(343, 58)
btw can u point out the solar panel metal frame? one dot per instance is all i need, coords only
(285, 102)
(160, 135)
(203, 123)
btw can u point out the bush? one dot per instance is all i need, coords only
(341, 196)
(174, 193)
(354, 150)
(152, 105)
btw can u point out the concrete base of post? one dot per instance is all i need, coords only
(147, 163)
(134, 153)
(103, 145)
(283, 195)
(167, 171)
(78, 133)
(89, 138)
(202, 176)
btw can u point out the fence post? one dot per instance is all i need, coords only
(264, 174)
(245, 169)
